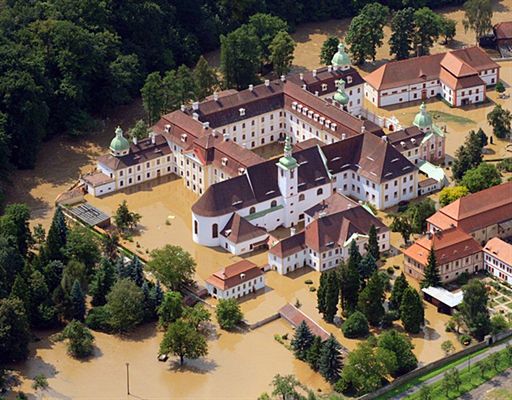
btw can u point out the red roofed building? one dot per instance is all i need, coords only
(498, 259)
(456, 253)
(236, 280)
(460, 77)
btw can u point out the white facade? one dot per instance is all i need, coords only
(243, 289)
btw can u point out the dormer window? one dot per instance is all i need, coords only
(242, 112)
(324, 87)
(184, 137)
(349, 79)
(224, 161)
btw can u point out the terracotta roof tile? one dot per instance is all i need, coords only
(234, 275)
(503, 30)
(500, 250)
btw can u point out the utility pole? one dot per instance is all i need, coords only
(128, 379)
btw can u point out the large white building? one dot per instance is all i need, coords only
(236, 280)
(498, 259)
(460, 77)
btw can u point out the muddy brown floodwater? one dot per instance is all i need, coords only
(239, 365)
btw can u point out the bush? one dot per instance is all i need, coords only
(465, 339)
(308, 282)
(228, 314)
(397, 267)
(312, 289)
(505, 165)
(463, 278)
(98, 319)
(390, 270)
(355, 326)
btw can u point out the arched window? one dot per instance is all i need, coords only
(195, 227)
(215, 230)
(302, 197)
(252, 210)
(273, 203)
(319, 192)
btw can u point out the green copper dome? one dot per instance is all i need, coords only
(423, 118)
(341, 58)
(340, 96)
(287, 160)
(119, 143)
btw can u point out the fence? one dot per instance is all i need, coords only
(435, 365)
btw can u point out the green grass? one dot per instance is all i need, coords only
(471, 379)
(419, 380)
(501, 299)
(440, 116)
(498, 394)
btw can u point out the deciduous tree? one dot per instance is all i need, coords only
(229, 315)
(451, 193)
(329, 48)
(402, 29)
(281, 52)
(400, 345)
(172, 266)
(125, 304)
(80, 339)
(474, 309)
(500, 119)
(412, 313)
(482, 177)
(182, 340)
(478, 17)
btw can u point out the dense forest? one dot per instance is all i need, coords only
(64, 63)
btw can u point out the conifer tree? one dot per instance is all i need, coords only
(330, 360)
(20, 291)
(302, 341)
(136, 273)
(102, 282)
(411, 311)
(373, 243)
(57, 237)
(354, 254)
(431, 275)
(398, 290)
(77, 302)
(367, 267)
(205, 79)
(320, 294)
(331, 296)
(314, 353)
(349, 287)
(370, 300)
(329, 48)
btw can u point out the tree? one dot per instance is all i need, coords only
(124, 218)
(171, 308)
(228, 314)
(153, 96)
(478, 17)
(365, 32)
(412, 313)
(373, 243)
(468, 155)
(15, 334)
(135, 272)
(74, 270)
(457, 320)
(281, 52)
(314, 353)
(494, 360)
(77, 302)
(182, 340)
(82, 245)
(402, 25)
(172, 266)
(330, 360)
(355, 326)
(484, 366)
(366, 268)
(451, 193)
(109, 245)
(425, 392)
(448, 29)
(451, 380)
(366, 368)
(500, 87)
(474, 309)
(498, 324)
(447, 347)
(80, 339)
(331, 296)
(428, 28)
(240, 56)
(140, 130)
(197, 316)
(285, 387)
(266, 27)
(320, 294)
(57, 236)
(401, 224)
(205, 79)
(329, 48)
(125, 304)
(398, 290)
(349, 286)
(40, 382)
(370, 300)
(302, 341)
(14, 223)
(500, 119)
(102, 282)
(11, 264)
(400, 345)
(431, 274)
(482, 177)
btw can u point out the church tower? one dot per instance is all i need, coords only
(287, 169)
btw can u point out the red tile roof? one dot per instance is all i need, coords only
(234, 275)
(500, 250)
(290, 245)
(503, 30)
(239, 230)
(295, 316)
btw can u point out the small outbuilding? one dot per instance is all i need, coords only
(445, 301)
(236, 280)
(90, 215)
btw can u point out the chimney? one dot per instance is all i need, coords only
(292, 231)
(206, 125)
(182, 107)
(329, 68)
(134, 140)
(195, 116)
(363, 128)
(267, 82)
(195, 105)
(226, 137)
(301, 76)
(304, 86)
(283, 78)
(343, 136)
(251, 87)
(215, 96)
(153, 138)
(314, 72)
(214, 132)
(316, 92)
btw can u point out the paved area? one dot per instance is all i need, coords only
(498, 388)
(437, 378)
